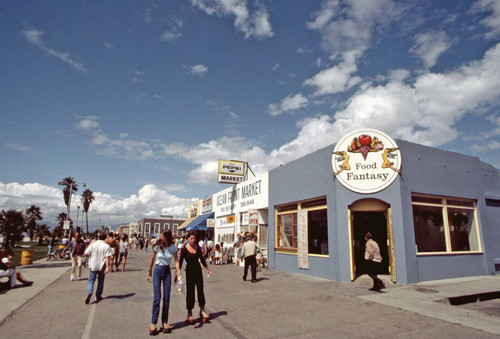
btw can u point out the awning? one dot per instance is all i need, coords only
(199, 223)
(185, 223)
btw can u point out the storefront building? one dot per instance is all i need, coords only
(199, 216)
(435, 214)
(242, 208)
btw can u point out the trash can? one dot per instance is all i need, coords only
(27, 257)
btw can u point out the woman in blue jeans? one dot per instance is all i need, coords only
(162, 256)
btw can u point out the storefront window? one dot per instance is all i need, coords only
(463, 230)
(287, 230)
(445, 225)
(429, 230)
(263, 235)
(317, 224)
(318, 232)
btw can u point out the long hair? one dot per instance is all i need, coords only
(192, 232)
(168, 236)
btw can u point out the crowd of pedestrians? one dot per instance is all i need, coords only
(104, 253)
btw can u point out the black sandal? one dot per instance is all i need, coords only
(153, 332)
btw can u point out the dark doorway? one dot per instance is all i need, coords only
(376, 224)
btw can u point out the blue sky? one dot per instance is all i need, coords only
(139, 99)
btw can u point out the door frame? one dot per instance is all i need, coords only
(372, 205)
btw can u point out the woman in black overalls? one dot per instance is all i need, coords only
(191, 252)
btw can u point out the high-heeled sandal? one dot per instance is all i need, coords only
(204, 316)
(153, 332)
(190, 320)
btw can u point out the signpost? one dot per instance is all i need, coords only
(303, 239)
(232, 172)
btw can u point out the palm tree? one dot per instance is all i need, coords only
(33, 215)
(42, 231)
(104, 229)
(87, 199)
(70, 187)
(12, 226)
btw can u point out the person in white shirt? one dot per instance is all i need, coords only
(100, 256)
(249, 252)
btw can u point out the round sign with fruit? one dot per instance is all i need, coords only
(366, 161)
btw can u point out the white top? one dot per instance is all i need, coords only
(98, 252)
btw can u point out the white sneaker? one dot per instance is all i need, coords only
(71, 279)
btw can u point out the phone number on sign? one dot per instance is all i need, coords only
(247, 203)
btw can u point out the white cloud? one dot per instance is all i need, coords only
(254, 24)
(174, 187)
(492, 22)
(290, 103)
(21, 148)
(172, 34)
(349, 25)
(199, 70)
(88, 123)
(34, 36)
(338, 78)
(410, 110)
(346, 29)
(123, 147)
(149, 201)
(429, 47)
(404, 108)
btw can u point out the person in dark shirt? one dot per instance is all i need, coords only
(191, 252)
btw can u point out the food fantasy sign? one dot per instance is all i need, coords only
(366, 161)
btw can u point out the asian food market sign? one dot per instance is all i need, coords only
(366, 161)
(231, 172)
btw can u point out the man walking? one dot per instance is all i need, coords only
(100, 256)
(374, 261)
(249, 252)
(76, 247)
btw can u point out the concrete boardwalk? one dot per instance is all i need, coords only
(278, 305)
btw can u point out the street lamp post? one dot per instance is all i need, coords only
(77, 215)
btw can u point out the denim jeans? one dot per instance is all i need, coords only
(100, 282)
(161, 273)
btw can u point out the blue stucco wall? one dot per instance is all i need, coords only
(306, 178)
(425, 170)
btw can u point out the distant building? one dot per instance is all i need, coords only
(123, 229)
(133, 227)
(150, 226)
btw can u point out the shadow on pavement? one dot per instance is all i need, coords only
(119, 296)
(261, 279)
(198, 323)
(60, 264)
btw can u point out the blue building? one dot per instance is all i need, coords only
(438, 218)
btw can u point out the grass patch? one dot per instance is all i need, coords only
(39, 252)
